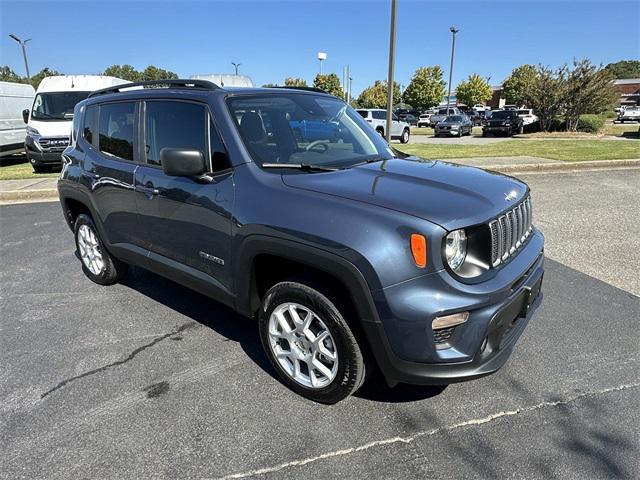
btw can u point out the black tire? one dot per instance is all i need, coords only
(484, 134)
(404, 138)
(381, 132)
(351, 371)
(521, 130)
(114, 270)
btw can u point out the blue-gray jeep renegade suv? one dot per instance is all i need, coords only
(351, 255)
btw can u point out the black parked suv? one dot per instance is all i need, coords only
(351, 255)
(505, 122)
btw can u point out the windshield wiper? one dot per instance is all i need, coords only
(305, 167)
(371, 159)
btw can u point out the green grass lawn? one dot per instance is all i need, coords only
(22, 171)
(567, 150)
(618, 129)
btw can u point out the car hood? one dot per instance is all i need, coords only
(450, 195)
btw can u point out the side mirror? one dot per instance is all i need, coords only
(182, 162)
(25, 115)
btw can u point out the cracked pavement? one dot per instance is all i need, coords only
(149, 379)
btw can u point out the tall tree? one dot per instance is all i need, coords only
(426, 89)
(474, 90)
(330, 83)
(295, 82)
(518, 85)
(624, 69)
(589, 90)
(375, 96)
(154, 73)
(125, 72)
(547, 94)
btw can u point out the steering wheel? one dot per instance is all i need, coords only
(318, 143)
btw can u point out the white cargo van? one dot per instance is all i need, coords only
(49, 120)
(14, 98)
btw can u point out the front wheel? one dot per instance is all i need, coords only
(405, 136)
(309, 343)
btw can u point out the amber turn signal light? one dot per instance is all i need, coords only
(419, 249)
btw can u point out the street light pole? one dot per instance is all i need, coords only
(392, 48)
(321, 56)
(23, 44)
(453, 30)
(236, 65)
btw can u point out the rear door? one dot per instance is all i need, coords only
(185, 220)
(108, 134)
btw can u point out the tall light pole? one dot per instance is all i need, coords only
(321, 56)
(453, 30)
(349, 91)
(236, 65)
(392, 48)
(23, 44)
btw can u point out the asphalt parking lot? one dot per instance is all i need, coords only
(149, 379)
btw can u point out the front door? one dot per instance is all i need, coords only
(186, 220)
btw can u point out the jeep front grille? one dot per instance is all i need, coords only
(509, 232)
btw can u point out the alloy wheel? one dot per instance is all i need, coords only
(90, 251)
(303, 345)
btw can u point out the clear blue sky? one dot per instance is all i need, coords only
(275, 39)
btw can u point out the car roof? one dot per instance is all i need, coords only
(139, 92)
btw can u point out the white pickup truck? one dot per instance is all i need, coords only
(377, 118)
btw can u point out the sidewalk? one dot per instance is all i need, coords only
(32, 190)
(36, 190)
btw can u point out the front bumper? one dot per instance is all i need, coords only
(488, 129)
(447, 132)
(39, 156)
(404, 343)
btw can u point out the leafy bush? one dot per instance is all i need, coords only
(558, 124)
(610, 114)
(591, 123)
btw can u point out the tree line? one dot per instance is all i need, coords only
(125, 72)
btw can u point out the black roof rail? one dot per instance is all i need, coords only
(307, 89)
(180, 83)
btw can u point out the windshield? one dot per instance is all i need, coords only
(502, 115)
(56, 105)
(305, 129)
(453, 119)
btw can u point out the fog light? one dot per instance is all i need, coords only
(450, 320)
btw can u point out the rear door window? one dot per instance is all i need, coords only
(116, 129)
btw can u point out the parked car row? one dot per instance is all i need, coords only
(629, 114)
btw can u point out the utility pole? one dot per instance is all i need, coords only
(349, 91)
(392, 48)
(23, 44)
(236, 65)
(453, 30)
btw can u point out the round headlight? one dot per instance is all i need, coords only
(456, 248)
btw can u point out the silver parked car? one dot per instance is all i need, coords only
(454, 125)
(629, 114)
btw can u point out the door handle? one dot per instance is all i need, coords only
(149, 191)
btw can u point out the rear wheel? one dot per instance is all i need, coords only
(405, 136)
(97, 262)
(309, 343)
(380, 131)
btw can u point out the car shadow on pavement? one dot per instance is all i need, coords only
(203, 310)
(237, 328)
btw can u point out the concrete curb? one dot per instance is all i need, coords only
(563, 166)
(52, 194)
(29, 195)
